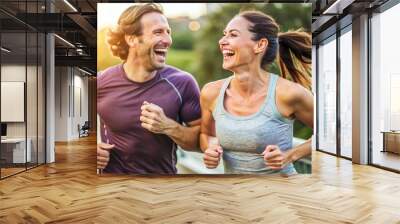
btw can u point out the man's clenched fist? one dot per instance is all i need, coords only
(103, 154)
(212, 156)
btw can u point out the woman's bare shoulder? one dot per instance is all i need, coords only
(289, 91)
(211, 90)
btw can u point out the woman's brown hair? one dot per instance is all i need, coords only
(128, 24)
(293, 47)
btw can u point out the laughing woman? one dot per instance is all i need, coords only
(248, 118)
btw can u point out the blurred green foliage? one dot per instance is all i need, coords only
(182, 37)
(301, 131)
(182, 40)
(182, 59)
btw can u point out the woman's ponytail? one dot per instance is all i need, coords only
(294, 57)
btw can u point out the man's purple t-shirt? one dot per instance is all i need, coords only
(137, 150)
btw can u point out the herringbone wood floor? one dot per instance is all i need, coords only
(69, 191)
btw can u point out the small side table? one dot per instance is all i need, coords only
(14, 150)
(391, 141)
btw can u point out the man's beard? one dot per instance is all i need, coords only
(151, 57)
(150, 61)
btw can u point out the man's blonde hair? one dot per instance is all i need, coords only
(129, 24)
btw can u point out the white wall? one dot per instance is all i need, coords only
(12, 73)
(71, 94)
(81, 103)
(61, 103)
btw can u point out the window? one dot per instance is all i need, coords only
(22, 76)
(385, 86)
(327, 95)
(346, 92)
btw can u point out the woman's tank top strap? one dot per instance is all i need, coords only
(272, 100)
(220, 99)
(271, 88)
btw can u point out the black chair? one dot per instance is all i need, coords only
(84, 130)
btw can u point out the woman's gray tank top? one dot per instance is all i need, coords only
(244, 138)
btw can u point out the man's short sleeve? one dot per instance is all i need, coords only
(190, 109)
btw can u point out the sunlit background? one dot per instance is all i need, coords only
(196, 29)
